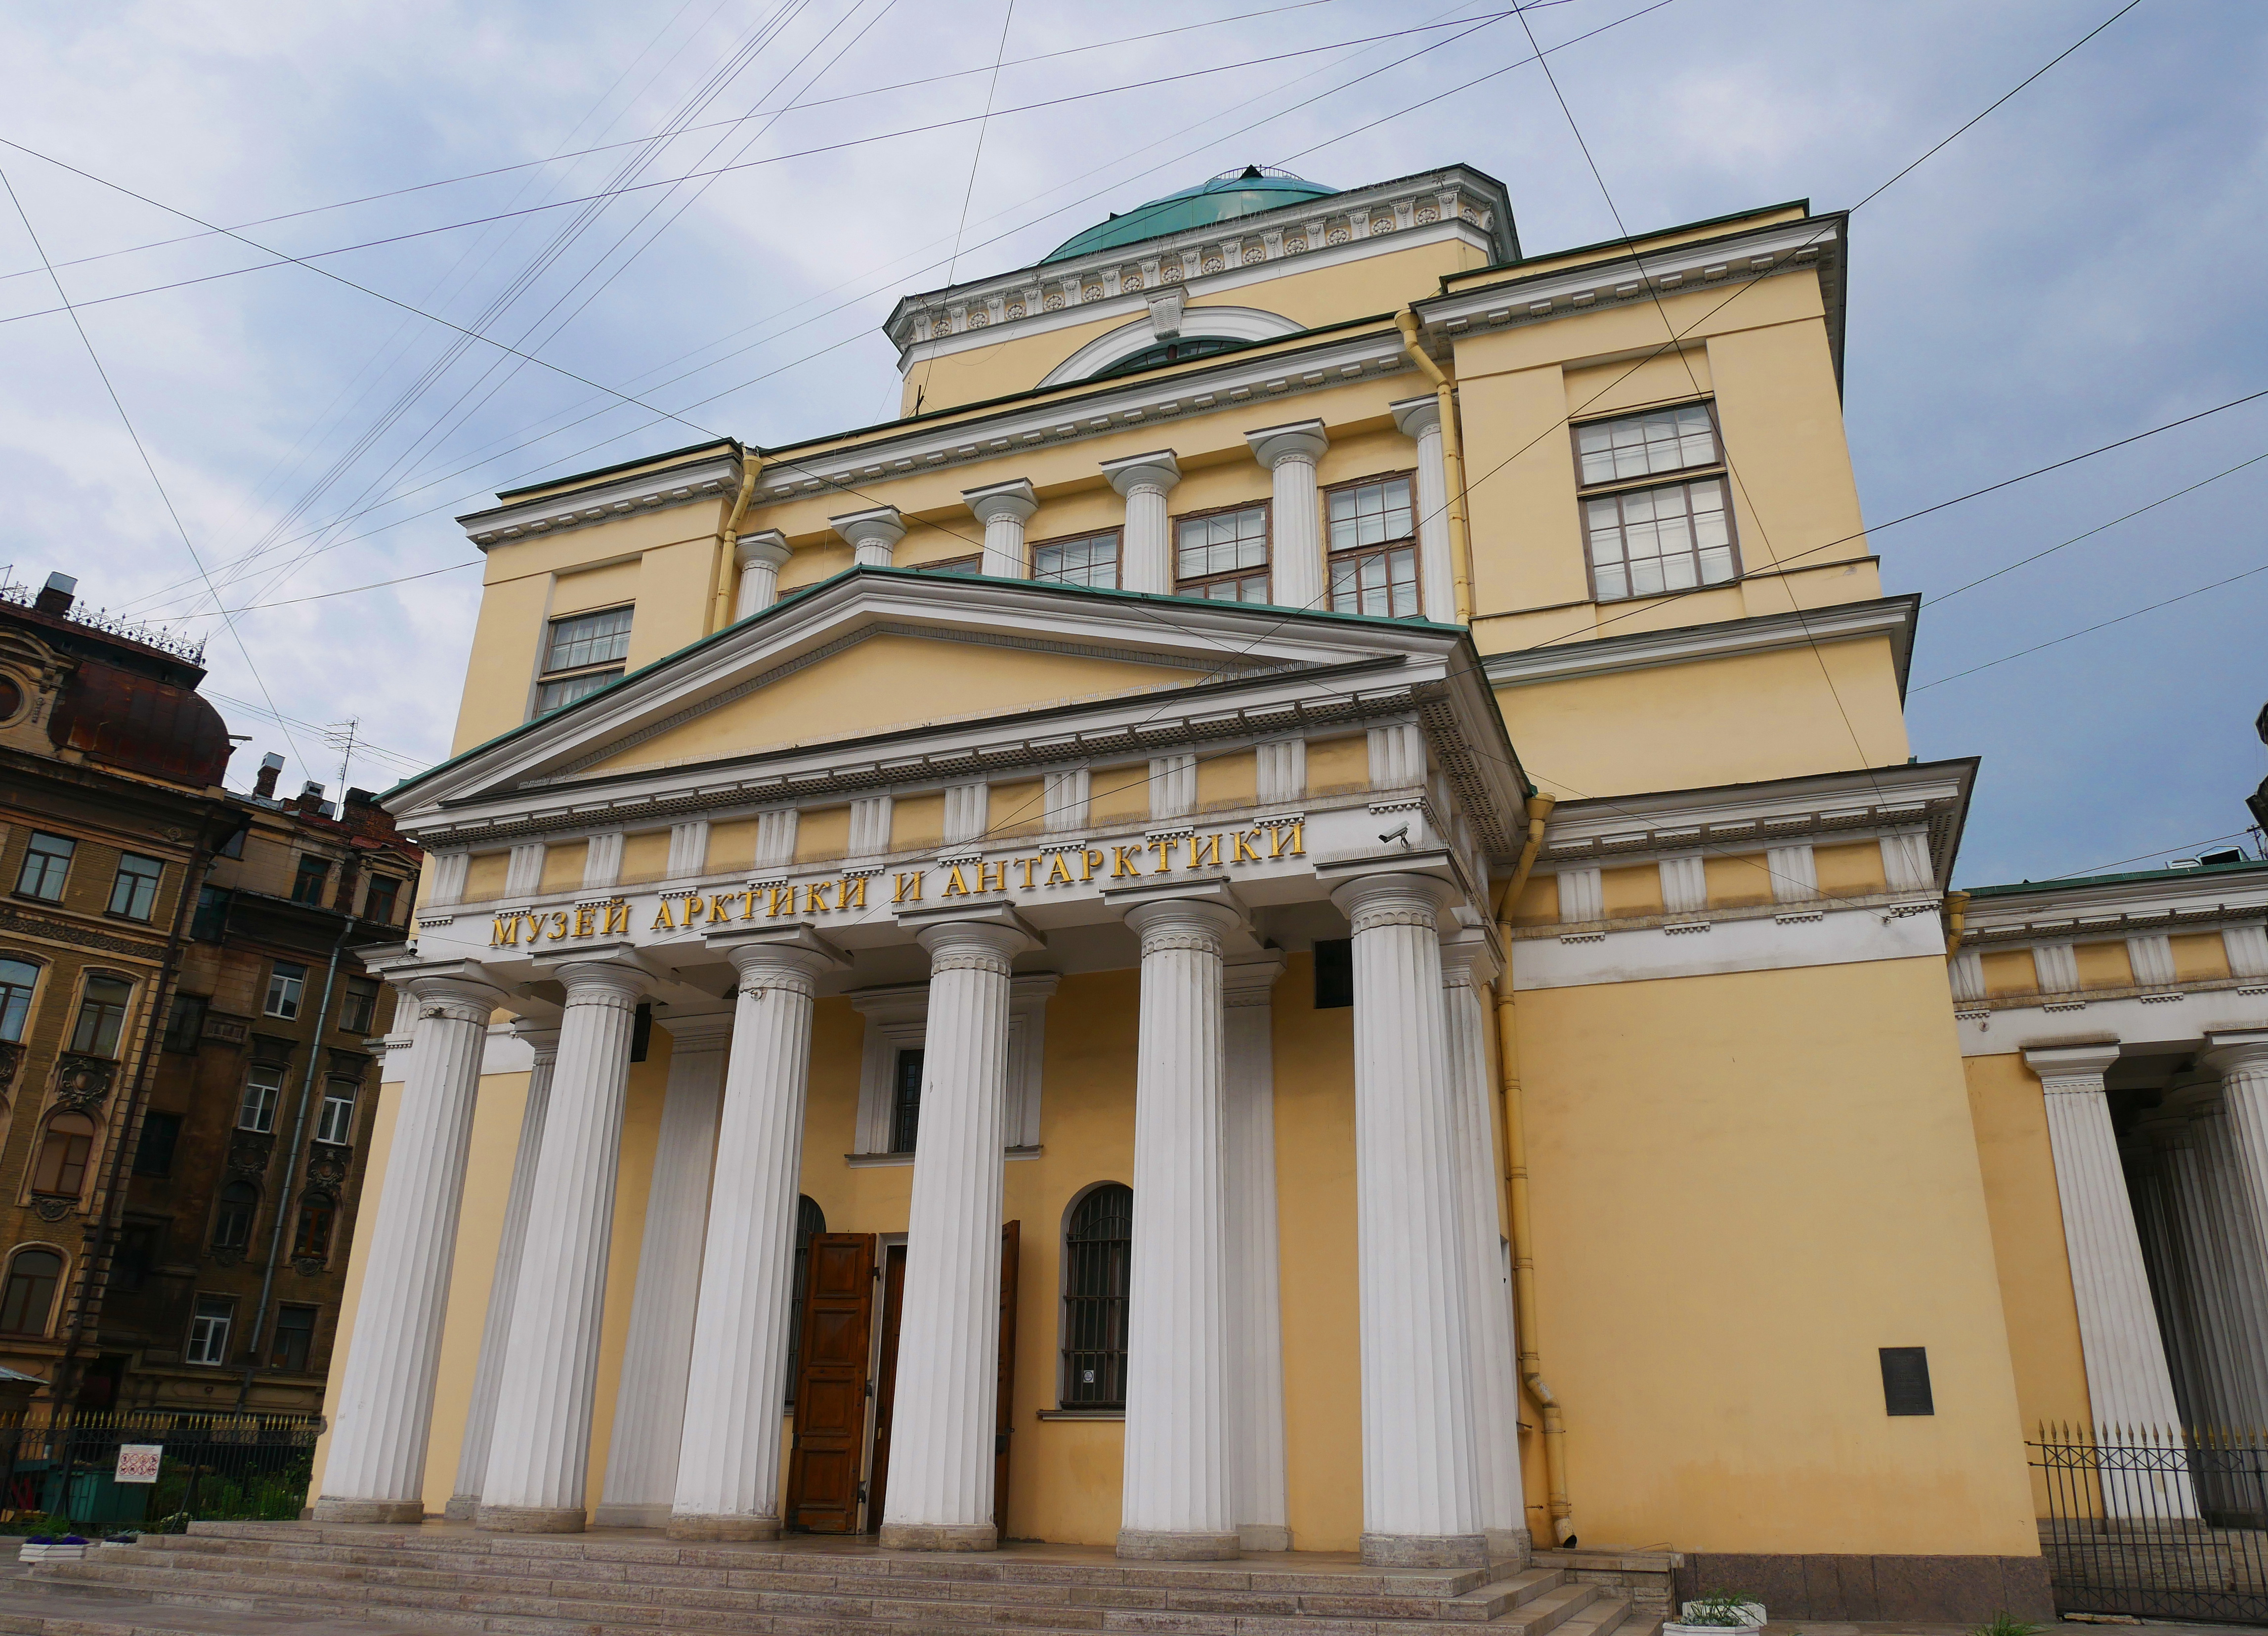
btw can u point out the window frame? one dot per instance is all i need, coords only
(209, 921)
(1617, 489)
(124, 1008)
(1266, 507)
(363, 989)
(202, 1343)
(295, 985)
(174, 1037)
(325, 1122)
(903, 1113)
(315, 1207)
(276, 1358)
(8, 1285)
(139, 905)
(604, 671)
(306, 867)
(971, 565)
(40, 1184)
(69, 856)
(1067, 1390)
(215, 1243)
(392, 895)
(808, 1215)
(1117, 538)
(21, 1019)
(1384, 548)
(1576, 428)
(274, 1097)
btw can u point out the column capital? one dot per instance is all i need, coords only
(458, 989)
(1301, 440)
(2073, 1067)
(1393, 897)
(1203, 922)
(976, 917)
(1014, 498)
(713, 1032)
(1414, 417)
(778, 957)
(2236, 1050)
(767, 545)
(873, 534)
(604, 973)
(543, 1038)
(1252, 981)
(1158, 470)
(1470, 958)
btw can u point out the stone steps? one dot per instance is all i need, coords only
(592, 1587)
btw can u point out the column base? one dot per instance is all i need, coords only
(736, 1526)
(654, 1513)
(332, 1508)
(462, 1508)
(531, 1519)
(1264, 1536)
(940, 1537)
(1513, 1545)
(1425, 1550)
(1143, 1544)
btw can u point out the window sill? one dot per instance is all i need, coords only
(123, 919)
(877, 1162)
(34, 897)
(1082, 1414)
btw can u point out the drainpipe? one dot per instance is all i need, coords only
(1956, 920)
(1452, 457)
(752, 466)
(1516, 1169)
(291, 1164)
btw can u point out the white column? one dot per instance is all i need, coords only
(1420, 419)
(1256, 1326)
(1295, 523)
(2240, 1058)
(727, 1484)
(2225, 1399)
(1469, 965)
(496, 1329)
(941, 1493)
(873, 535)
(1421, 1495)
(376, 1472)
(2238, 1267)
(650, 1397)
(2128, 1383)
(760, 555)
(541, 1448)
(1004, 509)
(1177, 1502)
(1146, 546)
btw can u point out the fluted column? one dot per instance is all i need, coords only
(942, 1424)
(496, 1329)
(761, 556)
(1469, 965)
(1295, 522)
(1004, 509)
(650, 1397)
(2225, 1399)
(872, 535)
(2238, 1263)
(1421, 1496)
(2240, 1058)
(728, 1472)
(1420, 419)
(542, 1449)
(1146, 545)
(2146, 1186)
(376, 1472)
(1177, 1502)
(1256, 1326)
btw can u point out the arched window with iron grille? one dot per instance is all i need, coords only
(1098, 1260)
(810, 1222)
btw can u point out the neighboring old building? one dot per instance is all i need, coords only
(163, 949)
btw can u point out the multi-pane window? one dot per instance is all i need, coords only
(585, 652)
(311, 1240)
(307, 881)
(47, 862)
(1098, 1265)
(185, 1022)
(359, 1007)
(1223, 556)
(31, 1291)
(18, 979)
(211, 923)
(209, 1330)
(295, 1338)
(810, 1222)
(1641, 446)
(154, 1154)
(905, 1102)
(134, 893)
(1090, 561)
(60, 1170)
(1644, 541)
(1372, 528)
(239, 1202)
(381, 899)
(287, 984)
(101, 1016)
(970, 565)
(264, 1087)
(336, 1122)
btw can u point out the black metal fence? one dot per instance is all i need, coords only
(204, 1467)
(2155, 1522)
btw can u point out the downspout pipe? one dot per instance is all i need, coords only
(1956, 921)
(752, 466)
(1562, 1512)
(1452, 457)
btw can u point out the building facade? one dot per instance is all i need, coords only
(1295, 913)
(183, 1029)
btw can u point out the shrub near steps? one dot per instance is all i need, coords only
(456, 1579)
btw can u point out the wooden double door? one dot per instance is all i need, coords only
(839, 1462)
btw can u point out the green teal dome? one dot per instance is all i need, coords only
(1230, 194)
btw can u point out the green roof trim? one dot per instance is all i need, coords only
(1227, 196)
(2071, 882)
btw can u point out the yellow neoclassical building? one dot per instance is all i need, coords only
(1293, 915)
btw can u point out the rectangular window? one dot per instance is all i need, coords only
(359, 1007)
(1905, 1381)
(101, 1017)
(307, 883)
(382, 900)
(1090, 560)
(211, 923)
(1372, 536)
(953, 565)
(185, 1023)
(263, 1088)
(905, 1102)
(19, 978)
(154, 1154)
(47, 862)
(1333, 973)
(209, 1330)
(137, 1253)
(584, 652)
(336, 1124)
(1644, 541)
(295, 1339)
(285, 984)
(1223, 556)
(1645, 445)
(133, 893)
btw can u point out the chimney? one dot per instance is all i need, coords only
(264, 785)
(56, 596)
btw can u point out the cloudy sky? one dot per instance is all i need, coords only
(2085, 264)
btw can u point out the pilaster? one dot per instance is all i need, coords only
(1255, 1325)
